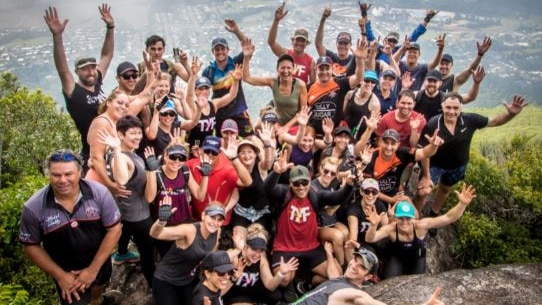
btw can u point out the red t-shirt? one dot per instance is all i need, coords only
(302, 66)
(403, 128)
(222, 183)
(297, 228)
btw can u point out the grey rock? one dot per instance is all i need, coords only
(518, 284)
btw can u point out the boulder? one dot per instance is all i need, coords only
(518, 284)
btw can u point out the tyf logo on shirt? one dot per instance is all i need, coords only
(299, 215)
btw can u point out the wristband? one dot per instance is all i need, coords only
(161, 223)
(109, 27)
(480, 54)
(233, 159)
(281, 275)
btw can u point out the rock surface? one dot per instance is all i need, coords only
(495, 285)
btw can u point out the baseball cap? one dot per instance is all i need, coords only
(219, 41)
(250, 143)
(433, 74)
(229, 125)
(389, 73)
(323, 60)
(81, 62)
(270, 117)
(168, 106)
(344, 37)
(391, 134)
(215, 209)
(203, 81)
(211, 143)
(447, 57)
(301, 32)
(177, 150)
(370, 183)
(257, 243)
(414, 45)
(369, 259)
(393, 35)
(370, 74)
(342, 129)
(299, 172)
(404, 209)
(124, 67)
(218, 260)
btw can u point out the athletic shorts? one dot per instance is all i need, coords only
(307, 259)
(448, 177)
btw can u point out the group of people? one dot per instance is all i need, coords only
(314, 197)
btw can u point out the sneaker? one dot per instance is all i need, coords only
(129, 257)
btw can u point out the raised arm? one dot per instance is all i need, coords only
(236, 76)
(440, 48)
(179, 232)
(232, 27)
(373, 235)
(463, 76)
(319, 40)
(430, 149)
(109, 42)
(280, 13)
(513, 109)
(182, 69)
(477, 77)
(59, 54)
(200, 190)
(360, 53)
(248, 52)
(231, 153)
(465, 197)
(122, 166)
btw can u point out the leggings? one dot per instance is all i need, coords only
(396, 266)
(165, 293)
(139, 231)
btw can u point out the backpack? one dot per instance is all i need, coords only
(186, 174)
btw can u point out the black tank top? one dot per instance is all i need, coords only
(408, 249)
(244, 285)
(354, 112)
(179, 266)
(254, 195)
(206, 126)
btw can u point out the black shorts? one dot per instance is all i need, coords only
(307, 259)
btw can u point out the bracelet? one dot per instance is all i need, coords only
(481, 54)
(233, 159)
(281, 275)
(161, 223)
(109, 27)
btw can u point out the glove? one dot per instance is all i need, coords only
(364, 7)
(164, 213)
(152, 163)
(430, 15)
(205, 169)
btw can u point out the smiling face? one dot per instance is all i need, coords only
(324, 73)
(220, 52)
(64, 178)
(431, 86)
(118, 106)
(285, 69)
(341, 141)
(451, 108)
(387, 82)
(216, 281)
(307, 142)
(253, 256)
(174, 162)
(212, 223)
(343, 48)
(445, 67)
(300, 188)
(367, 85)
(328, 173)
(88, 75)
(299, 44)
(131, 138)
(412, 57)
(356, 272)
(388, 147)
(163, 86)
(247, 155)
(404, 106)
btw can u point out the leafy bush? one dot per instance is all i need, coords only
(503, 223)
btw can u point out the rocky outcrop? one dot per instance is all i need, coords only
(495, 285)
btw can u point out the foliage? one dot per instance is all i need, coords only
(31, 127)
(14, 267)
(16, 295)
(503, 224)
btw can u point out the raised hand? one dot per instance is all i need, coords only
(231, 150)
(180, 56)
(441, 41)
(361, 49)
(372, 121)
(435, 139)
(53, 21)
(238, 72)
(373, 217)
(429, 14)
(282, 165)
(364, 8)
(108, 139)
(303, 115)
(289, 266)
(326, 13)
(152, 162)
(518, 102)
(165, 211)
(231, 26)
(478, 74)
(196, 65)
(484, 46)
(367, 154)
(281, 12)
(467, 194)
(105, 11)
(248, 47)
(406, 80)
(327, 125)
(266, 133)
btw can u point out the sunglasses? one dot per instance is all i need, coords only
(392, 40)
(328, 172)
(180, 158)
(221, 274)
(63, 156)
(300, 183)
(168, 113)
(210, 152)
(128, 76)
(370, 192)
(369, 81)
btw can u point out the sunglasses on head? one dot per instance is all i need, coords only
(168, 113)
(129, 75)
(300, 183)
(210, 152)
(229, 273)
(177, 158)
(329, 172)
(63, 156)
(370, 192)
(370, 81)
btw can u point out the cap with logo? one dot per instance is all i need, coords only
(229, 125)
(404, 209)
(299, 172)
(369, 259)
(203, 81)
(391, 134)
(389, 73)
(81, 62)
(177, 150)
(218, 260)
(323, 60)
(215, 209)
(370, 183)
(344, 37)
(211, 143)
